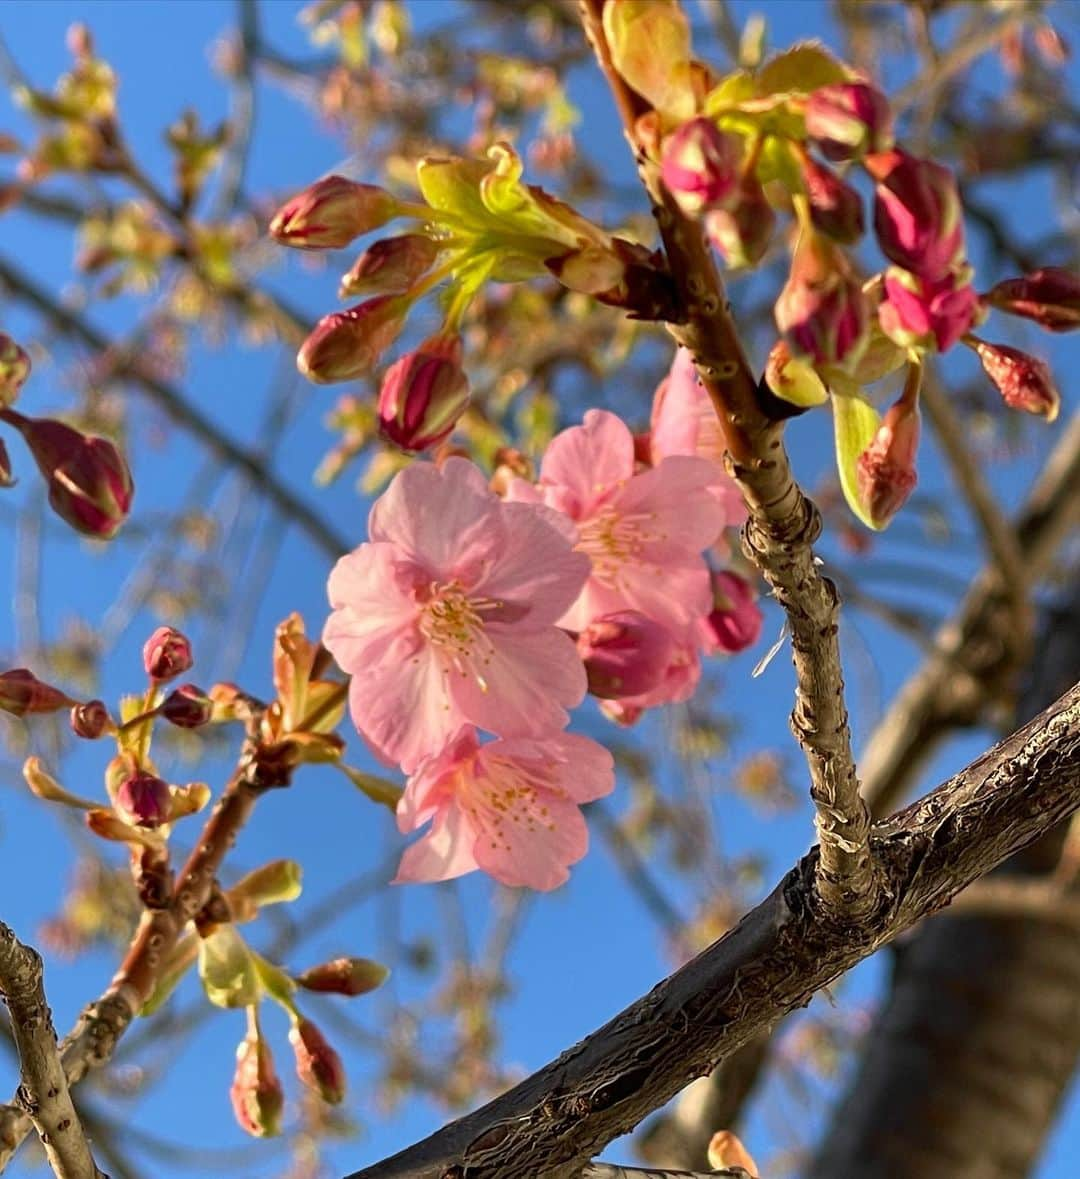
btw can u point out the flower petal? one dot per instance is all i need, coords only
(445, 852)
(583, 464)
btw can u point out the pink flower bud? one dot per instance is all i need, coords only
(14, 369)
(23, 694)
(167, 654)
(331, 212)
(90, 485)
(1024, 381)
(885, 471)
(143, 800)
(390, 266)
(734, 623)
(700, 166)
(822, 310)
(625, 654)
(835, 207)
(90, 720)
(423, 394)
(742, 231)
(317, 1065)
(187, 707)
(346, 344)
(847, 120)
(344, 976)
(917, 215)
(256, 1094)
(1050, 297)
(917, 313)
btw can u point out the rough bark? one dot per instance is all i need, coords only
(779, 955)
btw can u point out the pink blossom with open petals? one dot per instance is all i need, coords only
(643, 533)
(509, 808)
(447, 616)
(684, 421)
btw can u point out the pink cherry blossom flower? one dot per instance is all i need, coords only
(735, 620)
(643, 533)
(684, 422)
(509, 808)
(447, 616)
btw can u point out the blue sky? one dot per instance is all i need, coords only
(562, 965)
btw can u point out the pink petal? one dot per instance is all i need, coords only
(673, 594)
(532, 845)
(676, 496)
(445, 852)
(367, 587)
(434, 782)
(583, 464)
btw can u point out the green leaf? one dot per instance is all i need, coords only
(227, 969)
(377, 789)
(736, 88)
(856, 422)
(801, 69)
(453, 186)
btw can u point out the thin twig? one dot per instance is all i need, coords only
(43, 1094)
(782, 527)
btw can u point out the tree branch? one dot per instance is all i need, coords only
(779, 955)
(43, 1093)
(782, 527)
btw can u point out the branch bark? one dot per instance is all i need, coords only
(43, 1091)
(779, 955)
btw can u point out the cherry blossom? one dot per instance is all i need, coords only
(447, 616)
(509, 808)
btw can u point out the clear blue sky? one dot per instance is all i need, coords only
(584, 952)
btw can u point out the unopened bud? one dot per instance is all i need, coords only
(14, 369)
(885, 471)
(742, 231)
(1024, 381)
(90, 720)
(390, 266)
(918, 219)
(918, 313)
(847, 120)
(317, 1064)
(700, 166)
(167, 654)
(591, 270)
(423, 394)
(23, 694)
(734, 623)
(331, 212)
(835, 207)
(256, 1094)
(90, 485)
(346, 344)
(1050, 297)
(822, 310)
(625, 654)
(187, 707)
(344, 976)
(792, 379)
(143, 800)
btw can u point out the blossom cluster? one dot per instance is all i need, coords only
(471, 612)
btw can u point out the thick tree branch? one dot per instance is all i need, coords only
(43, 1093)
(782, 527)
(779, 955)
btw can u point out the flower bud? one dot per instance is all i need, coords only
(822, 310)
(187, 707)
(734, 623)
(917, 215)
(256, 1093)
(317, 1065)
(344, 976)
(14, 369)
(90, 485)
(1050, 297)
(23, 694)
(847, 120)
(331, 212)
(591, 270)
(166, 654)
(917, 313)
(390, 266)
(885, 471)
(143, 800)
(794, 380)
(423, 394)
(835, 207)
(742, 231)
(346, 344)
(700, 166)
(1024, 381)
(625, 654)
(90, 720)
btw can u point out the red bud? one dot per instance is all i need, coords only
(23, 694)
(886, 469)
(390, 266)
(1024, 381)
(1050, 297)
(317, 1064)
(143, 800)
(346, 344)
(331, 212)
(256, 1094)
(700, 166)
(625, 654)
(90, 720)
(167, 654)
(423, 394)
(735, 620)
(847, 120)
(187, 707)
(344, 976)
